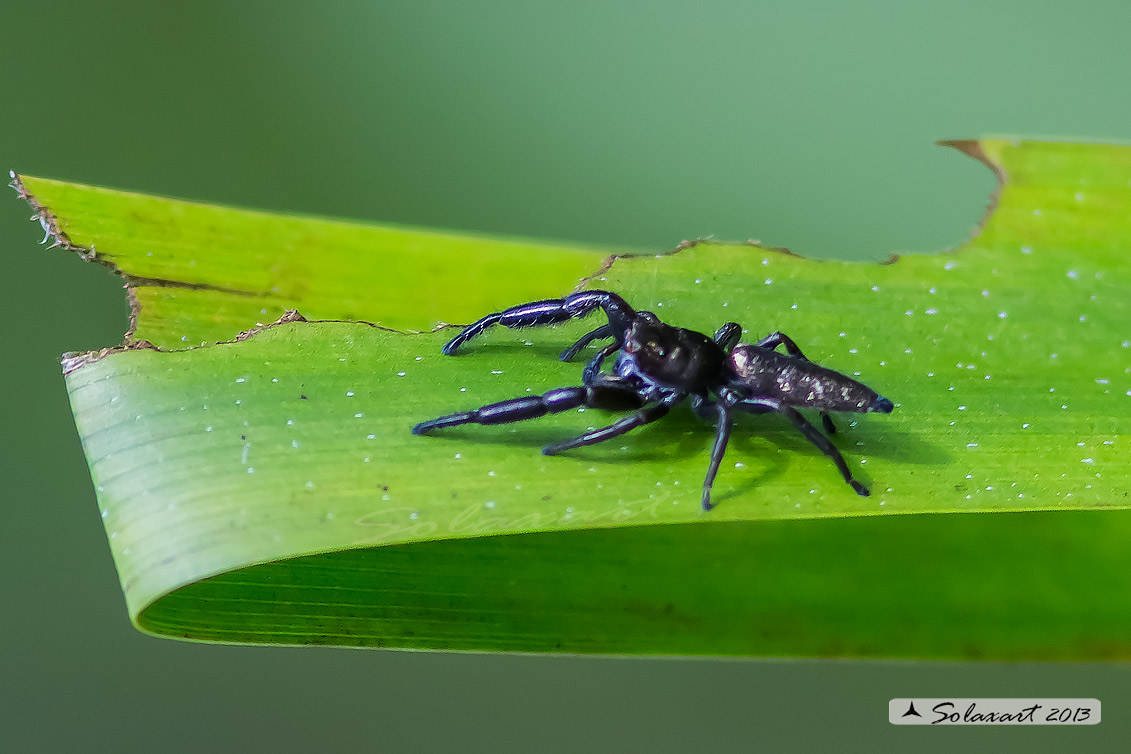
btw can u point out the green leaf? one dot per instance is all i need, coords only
(267, 489)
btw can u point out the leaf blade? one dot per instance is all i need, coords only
(920, 462)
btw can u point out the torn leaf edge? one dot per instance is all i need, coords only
(72, 361)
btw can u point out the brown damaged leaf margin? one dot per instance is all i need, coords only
(73, 361)
(973, 148)
(54, 232)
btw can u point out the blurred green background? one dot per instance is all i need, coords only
(639, 124)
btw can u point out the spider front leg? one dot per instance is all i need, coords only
(773, 340)
(550, 312)
(608, 396)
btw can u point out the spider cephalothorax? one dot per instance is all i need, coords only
(659, 365)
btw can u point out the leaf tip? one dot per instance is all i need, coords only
(52, 231)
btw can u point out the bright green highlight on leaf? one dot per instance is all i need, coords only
(1008, 360)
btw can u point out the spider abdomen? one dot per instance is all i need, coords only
(801, 383)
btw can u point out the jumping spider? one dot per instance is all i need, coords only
(660, 366)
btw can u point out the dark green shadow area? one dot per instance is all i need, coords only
(1027, 586)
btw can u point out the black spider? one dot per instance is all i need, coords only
(660, 366)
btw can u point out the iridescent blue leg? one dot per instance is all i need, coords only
(606, 396)
(552, 311)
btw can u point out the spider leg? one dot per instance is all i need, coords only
(644, 416)
(773, 340)
(814, 436)
(550, 312)
(593, 368)
(727, 336)
(604, 331)
(722, 436)
(608, 395)
(704, 407)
